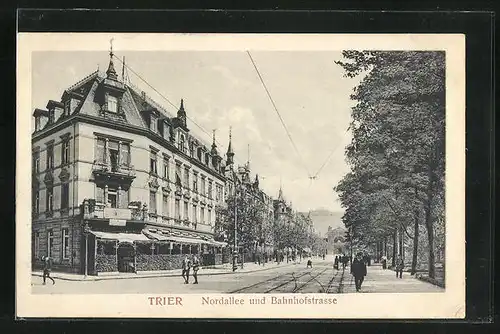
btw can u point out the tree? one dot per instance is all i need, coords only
(397, 152)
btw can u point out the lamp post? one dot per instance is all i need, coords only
(235, 251)
(86, 230)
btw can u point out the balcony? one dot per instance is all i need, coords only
(203, 227)
(113, 171)
(96, 210)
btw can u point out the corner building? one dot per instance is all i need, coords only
(119, 184)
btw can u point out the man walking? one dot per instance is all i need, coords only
(400, 265)
(358, 270)
(47, 267)
(196, 267)
(186, 266)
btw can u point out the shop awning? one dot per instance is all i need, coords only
(121, 237)
(218, 243)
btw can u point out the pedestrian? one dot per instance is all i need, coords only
(186, 266)
(384, 262)
(358, 270)
(336, 262)
(47, 267)
(399, 267)
(196, 267)
(309, 264)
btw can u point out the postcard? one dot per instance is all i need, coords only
(297, 176)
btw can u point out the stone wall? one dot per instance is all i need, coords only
(147, 262)
(106, 263)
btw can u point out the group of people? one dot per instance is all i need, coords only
(187, 265)
(341, 259)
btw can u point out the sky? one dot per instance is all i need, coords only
(223, 90)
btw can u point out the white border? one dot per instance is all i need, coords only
(449, 304)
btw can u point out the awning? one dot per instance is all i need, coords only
(218, 243)
(157, 236)
(121, 237)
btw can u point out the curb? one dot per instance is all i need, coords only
(97, 278)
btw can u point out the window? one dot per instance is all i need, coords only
(195, 182)
(218, 194)
(166, 173)
(114, 153)
(65, 243)
(112, 104)
(186, 177)
(50, 242)
(65, 151)
(50, 199)
(100, 152)
(36, 252)
(152, 163)
(210, 189)
(112, 198)
(99, 194)
(51, 116)
(178, 174)
(177, 209)
(36, 201)
(182, 143)
(154, 124)
(191, 149)
(66, 107)
(50, 156)
(186, 210)
(124, 154)
(202, 215)
(165, 206)
(195, 216)
(36, 162)
(64, 196)
(209, 217)
(38, 123)
(207, 159)
(203, 185)
(152, 202)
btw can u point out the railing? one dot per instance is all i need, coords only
(203, 227)
(100, 167)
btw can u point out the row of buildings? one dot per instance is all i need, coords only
(121, 185)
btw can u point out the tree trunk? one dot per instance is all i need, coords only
(394, 248)
(415, 244)
(385, 246)
(430, 238)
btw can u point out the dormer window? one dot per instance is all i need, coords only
(51, 116)
(154, 123)
(67, 104)
(38, 123)
(182, 143)
(199, 153)
(112, 104)
(207, 158)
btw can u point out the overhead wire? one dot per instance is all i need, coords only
(279, 115)
(166, 99)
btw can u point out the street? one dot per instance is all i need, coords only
(283, 278)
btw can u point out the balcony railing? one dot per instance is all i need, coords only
(203, 227)
(96, 210)
(113, 169)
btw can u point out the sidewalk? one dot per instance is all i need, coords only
(224, 269)
(380, 280)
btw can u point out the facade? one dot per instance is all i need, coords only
(119, 184)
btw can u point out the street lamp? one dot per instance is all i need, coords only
(235, 251)
(86, 230)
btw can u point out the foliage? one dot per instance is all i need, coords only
(396, 155)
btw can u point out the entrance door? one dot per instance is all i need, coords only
(126, 258)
